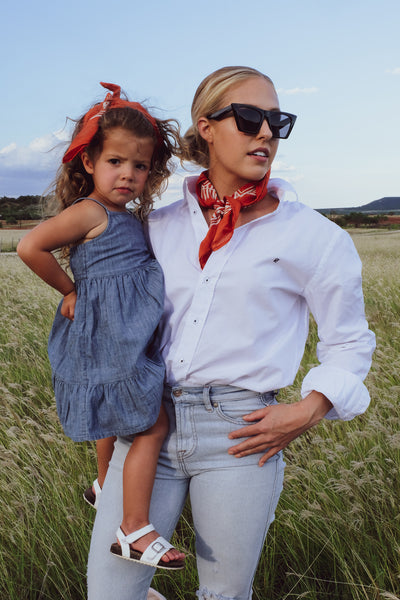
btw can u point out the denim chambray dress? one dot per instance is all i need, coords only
(107, 372)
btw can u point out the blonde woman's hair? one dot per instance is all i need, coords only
(208, 99)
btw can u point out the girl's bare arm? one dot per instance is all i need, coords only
(69, 227)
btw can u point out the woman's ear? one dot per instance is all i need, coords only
(87, 163)
(205, 129)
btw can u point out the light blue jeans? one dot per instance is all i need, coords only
(233, 500)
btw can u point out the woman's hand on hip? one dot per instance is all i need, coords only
(277, 425)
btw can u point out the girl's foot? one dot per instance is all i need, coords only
(147, 547)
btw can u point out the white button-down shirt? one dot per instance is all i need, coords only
(243, 319)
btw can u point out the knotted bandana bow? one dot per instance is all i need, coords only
(91, 120)
(226, 211)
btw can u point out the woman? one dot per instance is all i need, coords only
(242, 266)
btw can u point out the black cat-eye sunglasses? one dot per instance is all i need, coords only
(249, 119)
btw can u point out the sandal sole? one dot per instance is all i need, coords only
(135, 556)
(89, 497)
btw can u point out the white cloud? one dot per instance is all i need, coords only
(174, 191)
(30, 169)
(297, 90)
(8, 149)
(287, 172)
(40, 155)
(395, 71)
(280, 166)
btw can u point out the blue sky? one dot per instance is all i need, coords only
(336, 64)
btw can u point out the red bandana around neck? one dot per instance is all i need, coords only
(92, 117)
(226, 211)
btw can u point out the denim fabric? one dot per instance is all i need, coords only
(233, 500)
(107, 377)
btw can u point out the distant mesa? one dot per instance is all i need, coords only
(383, 205)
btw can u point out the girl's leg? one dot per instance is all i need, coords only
(110, 578)
(104, 449)
(138, 479)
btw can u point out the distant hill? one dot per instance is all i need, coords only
(387, 204)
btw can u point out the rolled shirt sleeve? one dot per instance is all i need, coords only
(335, 298)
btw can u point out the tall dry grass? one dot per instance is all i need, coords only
(44, 531)
(336, 533)
(9, 239)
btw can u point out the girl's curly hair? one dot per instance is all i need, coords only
(73, 182)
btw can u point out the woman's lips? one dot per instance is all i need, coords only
(260, 152)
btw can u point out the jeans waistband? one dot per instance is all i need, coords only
(204, 394)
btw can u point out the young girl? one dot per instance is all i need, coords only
(107, 374)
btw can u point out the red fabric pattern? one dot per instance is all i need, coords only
(226, 211)
(91, 120)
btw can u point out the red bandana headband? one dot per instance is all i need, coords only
(226, 211)
(91, 120)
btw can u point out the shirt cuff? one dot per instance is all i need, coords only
(345, 390)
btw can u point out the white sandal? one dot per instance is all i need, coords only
(154, 595)
(93, 497)
(153, 554)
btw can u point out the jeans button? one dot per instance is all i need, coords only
(178, 392)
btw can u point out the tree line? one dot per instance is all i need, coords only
(29, 208)
(356, 219)
(23, 208)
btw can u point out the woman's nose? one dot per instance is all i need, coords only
(265, 131)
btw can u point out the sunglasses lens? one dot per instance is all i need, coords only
(248, 119)
(279, 124)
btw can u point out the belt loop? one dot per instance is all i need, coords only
(206, 398)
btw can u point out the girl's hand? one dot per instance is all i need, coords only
(68, 305)
(278, 425)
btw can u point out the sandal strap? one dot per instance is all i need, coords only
(97, 490)
(135, 535)
(155, 551)
(126, 540)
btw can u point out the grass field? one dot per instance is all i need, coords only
(9, 239)
(336, 535)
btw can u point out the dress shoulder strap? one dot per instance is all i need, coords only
(93, 200)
